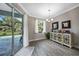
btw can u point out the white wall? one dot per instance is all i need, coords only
(31, 30)
(25, 40)
(48, 26)
(72, 15)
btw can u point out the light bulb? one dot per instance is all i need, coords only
(52, 19)
(46, 19)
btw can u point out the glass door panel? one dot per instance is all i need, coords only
(18, 37)
(5, 29)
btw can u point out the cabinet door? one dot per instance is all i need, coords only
(51, 36)
(67, 39)
(55, 36)
(59, 37)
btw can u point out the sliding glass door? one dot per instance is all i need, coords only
(11, 36)
(5, 29)
(18, 26)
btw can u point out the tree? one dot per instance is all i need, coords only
(7, 21)
(1, 23)
(40, 26)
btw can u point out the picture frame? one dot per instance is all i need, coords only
(55, 26)
(66, 24)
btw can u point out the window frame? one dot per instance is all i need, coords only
(36, 27)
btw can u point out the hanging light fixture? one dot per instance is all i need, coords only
(49, 19)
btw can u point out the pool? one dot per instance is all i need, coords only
(6, 44)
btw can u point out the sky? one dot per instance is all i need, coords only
(1, 17)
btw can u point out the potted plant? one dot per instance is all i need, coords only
(47, 35)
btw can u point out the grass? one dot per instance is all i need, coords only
(8, 33)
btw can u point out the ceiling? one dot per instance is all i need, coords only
(40, 10)
(5, 7)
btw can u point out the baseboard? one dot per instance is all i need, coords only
(76, 46)
(36, 39)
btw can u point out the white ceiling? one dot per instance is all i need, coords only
(5, 7)
(40, 10)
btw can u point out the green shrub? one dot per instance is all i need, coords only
(4, 33)
(47, 35)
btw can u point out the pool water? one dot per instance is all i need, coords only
(6, 44)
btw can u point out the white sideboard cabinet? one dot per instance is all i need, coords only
(62, 38)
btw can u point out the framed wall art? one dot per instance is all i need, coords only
(55, 26)
(66, 24)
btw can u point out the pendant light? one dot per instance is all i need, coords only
(49, 19)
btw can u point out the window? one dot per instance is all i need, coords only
(40, 26)
(11, 30)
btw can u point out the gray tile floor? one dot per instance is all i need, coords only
(50, 48)
(26, 51)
